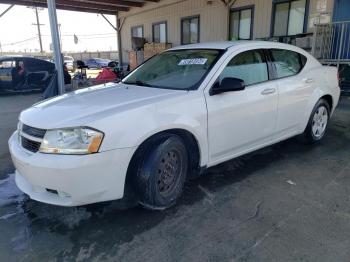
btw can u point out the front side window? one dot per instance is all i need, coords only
(286, 62)
(241, 24)
(250, 66)
(190, 30)
(178, 69)
(160, 32)
(137, 31)
(289, 18)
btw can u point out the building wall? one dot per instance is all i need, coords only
(214, 18)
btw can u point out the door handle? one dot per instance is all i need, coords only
(308, 80)
(268, 91)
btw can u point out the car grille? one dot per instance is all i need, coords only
(32, 131)
(30, 145)
(31, 137)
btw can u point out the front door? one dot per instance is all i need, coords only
(241, 121)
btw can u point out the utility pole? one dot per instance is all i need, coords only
(39, 31)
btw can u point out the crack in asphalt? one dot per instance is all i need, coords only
(275, 227)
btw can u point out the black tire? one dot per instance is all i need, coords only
(161, 173)
(309, 134)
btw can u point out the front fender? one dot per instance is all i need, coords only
(132, 127)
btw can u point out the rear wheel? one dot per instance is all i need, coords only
(318, 122)
(161, 173)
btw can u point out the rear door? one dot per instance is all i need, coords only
(6, 67)
(241, 121)
(295, 87)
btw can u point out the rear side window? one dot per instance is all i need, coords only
(6, 64)
(286, 62)
(250, 66)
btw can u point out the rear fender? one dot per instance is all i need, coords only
(316, 95)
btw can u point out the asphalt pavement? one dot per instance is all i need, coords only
(287, 202)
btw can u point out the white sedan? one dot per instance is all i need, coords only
(187, 109)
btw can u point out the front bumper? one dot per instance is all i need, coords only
(70, 180)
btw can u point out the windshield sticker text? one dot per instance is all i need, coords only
(193, 61)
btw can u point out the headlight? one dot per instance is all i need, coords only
(79, 140)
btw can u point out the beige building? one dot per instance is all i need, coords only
(190, 21)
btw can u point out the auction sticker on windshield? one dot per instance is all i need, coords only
(193, 61)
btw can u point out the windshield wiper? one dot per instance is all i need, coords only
(139, 83)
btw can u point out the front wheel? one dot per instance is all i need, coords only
(161, 173)
(318, 122)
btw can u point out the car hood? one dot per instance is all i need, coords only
(90, 104)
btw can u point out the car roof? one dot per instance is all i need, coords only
(19, 58)
(223, 45)
(210, 45)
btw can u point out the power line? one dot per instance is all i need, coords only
(21, 41)
(86, 34)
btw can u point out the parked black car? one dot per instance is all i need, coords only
(344, 77)
(24, 74)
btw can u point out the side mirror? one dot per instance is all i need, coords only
(228, 84)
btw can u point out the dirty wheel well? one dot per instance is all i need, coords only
(188, 139)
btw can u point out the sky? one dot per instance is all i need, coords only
(17, 32)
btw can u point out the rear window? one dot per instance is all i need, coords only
(287, 63)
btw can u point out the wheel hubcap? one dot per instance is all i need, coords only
(168, 171)
(319, 122)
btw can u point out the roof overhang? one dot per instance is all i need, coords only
(110, 7)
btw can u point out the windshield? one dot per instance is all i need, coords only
(178, 69)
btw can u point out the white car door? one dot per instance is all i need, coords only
(241, 121)
(294, 88)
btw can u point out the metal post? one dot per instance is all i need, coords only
(341, 44)
(119, 42)
(7, 9)
(51, 5)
